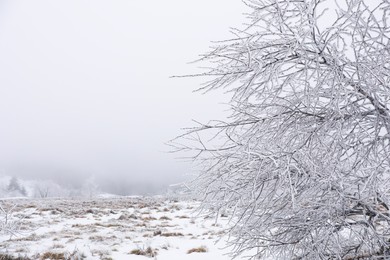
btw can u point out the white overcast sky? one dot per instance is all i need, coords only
(85, 86)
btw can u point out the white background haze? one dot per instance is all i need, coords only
(85, 87)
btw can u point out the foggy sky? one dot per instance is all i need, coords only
(85, 87)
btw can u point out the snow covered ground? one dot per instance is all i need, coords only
(113, 228)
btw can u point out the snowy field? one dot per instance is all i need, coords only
(112, 228)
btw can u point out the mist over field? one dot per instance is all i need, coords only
(86, 89)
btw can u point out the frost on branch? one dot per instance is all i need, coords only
(303, 161)
(9, 223)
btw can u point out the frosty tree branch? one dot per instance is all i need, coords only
(304, 161)
(8, 223)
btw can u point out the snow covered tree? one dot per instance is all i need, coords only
(90, 188)
(303, 161)
(15, 188)
(42, 189)
(48, 188)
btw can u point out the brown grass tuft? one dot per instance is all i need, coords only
(201, 249)
(148, 252)
(10, 257)
(172, 234)
(53, 256)
(165, 218)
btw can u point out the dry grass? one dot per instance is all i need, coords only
(46, 256)
(148, 252)
(157, 233)
(172, 234)
(110, 225)
(53, 256)
(96, 238)
(138, 219)
(201, 249)
(165, 218)
(167, 234)
(9, 257)
(148, 218)
(56, 245)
